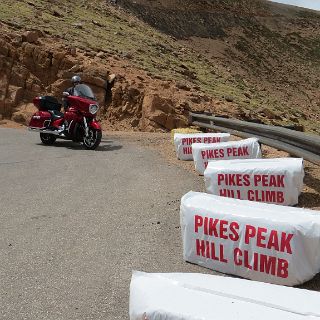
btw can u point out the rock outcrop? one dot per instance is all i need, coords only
(32, 65)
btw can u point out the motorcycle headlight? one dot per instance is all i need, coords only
(93, 108)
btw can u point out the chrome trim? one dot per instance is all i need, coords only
(86, 126)
(69, 126)
(42, 130)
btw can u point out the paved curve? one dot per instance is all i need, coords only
(75, 223)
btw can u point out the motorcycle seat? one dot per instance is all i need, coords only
(56, 114)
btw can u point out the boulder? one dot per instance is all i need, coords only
(24, 113)
(30, 36)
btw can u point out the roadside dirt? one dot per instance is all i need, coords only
(11, 124)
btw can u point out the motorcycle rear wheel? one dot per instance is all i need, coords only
(93, 139)
(47, 139)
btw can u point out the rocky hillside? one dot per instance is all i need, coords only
(249, 59)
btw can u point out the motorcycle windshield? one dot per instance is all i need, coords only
(82, 90)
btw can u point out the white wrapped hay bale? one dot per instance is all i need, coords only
(183, 142)
(188, 130)
(194, 296)
(242, 149)
(278, 180)
(258, 241)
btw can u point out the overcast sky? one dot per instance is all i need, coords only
(311, 4)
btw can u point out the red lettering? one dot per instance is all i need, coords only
(246, 180)
(239, 179)
(285, 242)
(262, 263)
(213, 227)
(232, 180)
(273, 181)
(236, 254)
(223, 193)
(250, 233)
(200, 247)
(198, 222)
(273, 241)
(234, 229)
(280, 181)
(268, 264)
(264, 180)
(282, 270)
(261, 237)
(213, 252)
(223, 229)
(222, 259)
(270, 196)
(207, 249)
(257, 178)
(255, 261)
(246, 260)
(205, 231)
(220, 178)
(280, 197)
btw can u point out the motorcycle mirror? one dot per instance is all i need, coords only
(65, 94)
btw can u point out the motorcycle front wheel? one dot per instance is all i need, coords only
(47, 139)
(93, 139)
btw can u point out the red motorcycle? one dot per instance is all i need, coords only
(78, 123)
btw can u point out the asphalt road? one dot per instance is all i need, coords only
(75, 223)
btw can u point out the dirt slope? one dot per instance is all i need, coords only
(248, 59)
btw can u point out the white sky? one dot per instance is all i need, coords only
(311, 4)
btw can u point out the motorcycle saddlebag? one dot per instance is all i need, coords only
(40, 120)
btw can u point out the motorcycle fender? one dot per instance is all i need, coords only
(95, 125)
(40, 120)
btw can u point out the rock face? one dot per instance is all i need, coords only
(26, 70)
(29, 68)
(144, 110)
(31, 65)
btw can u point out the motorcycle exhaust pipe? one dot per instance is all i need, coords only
(55, 133)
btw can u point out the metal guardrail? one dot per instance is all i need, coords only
(296, 143)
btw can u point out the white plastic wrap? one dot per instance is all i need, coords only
(183, 142)
(258, 241)
(242, 149)
(194, 296)
(278, 180)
